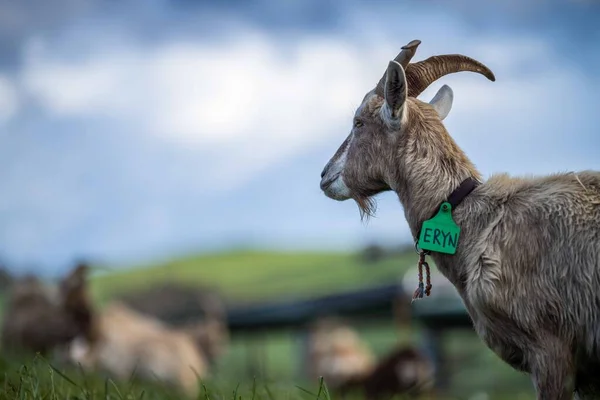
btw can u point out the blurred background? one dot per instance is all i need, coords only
(180, 142)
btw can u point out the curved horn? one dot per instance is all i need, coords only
(421, 74)
(403, 58)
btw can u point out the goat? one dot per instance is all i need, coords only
(405, 371)
(167, 301)
(121, 341)
(527, 266)
(346, 363)
(126, 342)
(40, 318)
(336, 353)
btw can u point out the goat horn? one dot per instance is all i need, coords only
(421, 74)
(403, 58)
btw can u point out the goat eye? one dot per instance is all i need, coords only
(357, 123)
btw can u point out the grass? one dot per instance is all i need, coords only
(38, 379)
(247, 276)
(473, 367)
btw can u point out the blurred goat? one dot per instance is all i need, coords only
(123, 342)
(173, 303)
(212, 333)
(405, 371)
(336, 352)
(347, 364)
(39, 317)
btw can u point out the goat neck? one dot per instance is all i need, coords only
(429, 166)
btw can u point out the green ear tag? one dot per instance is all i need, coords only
(440, 233)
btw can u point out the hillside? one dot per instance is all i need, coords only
(257, 276)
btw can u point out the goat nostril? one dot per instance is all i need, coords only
(323, 172)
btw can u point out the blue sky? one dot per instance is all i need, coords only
(141, 130)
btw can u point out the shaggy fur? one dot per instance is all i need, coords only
(528, 261)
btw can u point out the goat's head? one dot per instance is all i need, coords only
(75, 297)
(388, 123)
(41, 317)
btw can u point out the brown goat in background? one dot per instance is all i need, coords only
(336, 352)
(405, 371)
(347, 364)
(169, 299)
(122, 342)
(127, 343)
(527, 266)
(39, 317)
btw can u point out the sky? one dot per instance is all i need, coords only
(142, 130)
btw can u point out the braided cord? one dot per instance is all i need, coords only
(422, 289)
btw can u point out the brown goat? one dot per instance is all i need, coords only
(122, 341)
(347, 364)
(336, 353)
(405, 371)
(167, 299)
(40, 319)
(527, 266)
(127, 342)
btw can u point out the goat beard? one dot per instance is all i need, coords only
(367, 205)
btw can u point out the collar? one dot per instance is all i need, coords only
(462, 191)
(457, 196)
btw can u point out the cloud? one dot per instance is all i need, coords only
(251, 101)
(254, 101)
(9, 102)
(131, 148)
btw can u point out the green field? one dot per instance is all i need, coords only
(258, 276)
(247, 276)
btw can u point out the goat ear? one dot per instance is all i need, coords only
(395, 89)
(442, 101)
